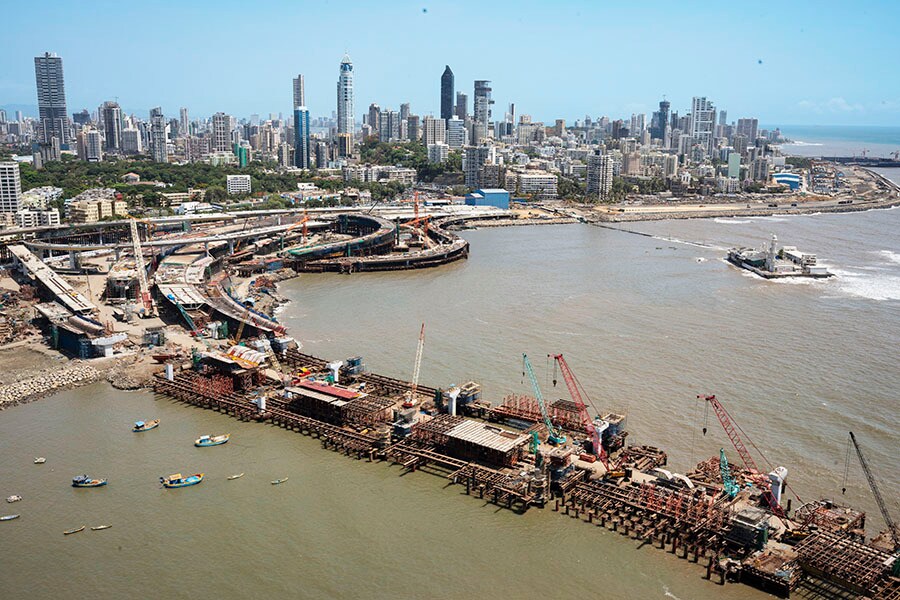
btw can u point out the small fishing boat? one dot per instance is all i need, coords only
(40, 460)
(100, 527)
(278, 481)
(177, 481)
(211, 440)
(83, 481)
(14, 498)
(71, 531)
(238, 476)
(140, 426)
(9, 517)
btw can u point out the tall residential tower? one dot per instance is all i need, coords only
(447, 94)
(345, 97)
(51, 93)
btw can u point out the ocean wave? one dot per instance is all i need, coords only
(669, 594)
(730, 221)
(802, 143)
(868, 285)
(894, 257)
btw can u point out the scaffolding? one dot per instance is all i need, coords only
(854, 566)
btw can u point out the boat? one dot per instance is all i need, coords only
(14, 498)
(177, 481)
(277, 481)
(140, 426)
(211, 440)
(238, 476)
(83, 481)
(100, 527)
(9, 517)
(71, 531)
(40, 460)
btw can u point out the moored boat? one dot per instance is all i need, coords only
(177, 481)
(83, 481)
(211, 440)
(40, 460)
(238, 476)
(140, 426)
(14, 498)
(100, 527)
(278, 481)
(9, 517)
(71, 531)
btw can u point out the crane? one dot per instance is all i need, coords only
(411, 394)
(146, 300)
(731, 429)
(554, 436)
(729, 486)
(575, 390)
(303, 222)
(882, 506)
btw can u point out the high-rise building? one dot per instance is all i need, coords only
(158, 149)
(447, 94)
(131, 141)
(90, 147)
(184, 122)
(474, 158)
(51, 93)
(10, 187)
(748, 127)
(482, 110)
(434, 131)
(299, 92)
(2, 116)
(301, 137)
(660, 121)
(462, 106)
(599, 175)
(221, 130)
(404, 111)
(388, 126)
(413, 128)
(345, 97)
(456, 133)
(373, 116)
(703, 123)
(111, 119)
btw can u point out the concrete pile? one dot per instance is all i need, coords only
(36, 387)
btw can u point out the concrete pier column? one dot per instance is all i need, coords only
(73, 259)
(230, 247)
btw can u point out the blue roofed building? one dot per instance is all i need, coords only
(496, 197)
(792, 180)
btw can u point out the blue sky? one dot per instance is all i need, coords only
(786, 63)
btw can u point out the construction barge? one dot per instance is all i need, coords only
(775, 263)
(521, 454)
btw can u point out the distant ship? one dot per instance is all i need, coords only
(773, 263)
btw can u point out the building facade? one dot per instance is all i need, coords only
(51, 93)
(10, 187)
(447, 94)
(158, 148)
(111, 120)
(482, 110)
(599, 175)
(237, 184)
(345, 97)
(301, 137)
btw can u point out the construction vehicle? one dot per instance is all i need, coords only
(575, 390)
(554, 436)
(293, 226)
(879, 499)
(729, 486)
(731, 429)
(411, 394)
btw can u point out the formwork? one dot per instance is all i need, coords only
(857, 567)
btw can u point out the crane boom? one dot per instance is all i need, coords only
(554, 435)
(729, 425)
(411, 398)
(575, 391)
(882, 506)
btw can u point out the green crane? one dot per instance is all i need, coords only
(729, 486)
(554, 435)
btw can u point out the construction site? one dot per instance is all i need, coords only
(191, 299)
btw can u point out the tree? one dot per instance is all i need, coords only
(215, 194)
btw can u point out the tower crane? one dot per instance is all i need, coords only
(554, 436)
(146, 300)
(731, 429)
(411, 394)
(882, 506)
(575, 390)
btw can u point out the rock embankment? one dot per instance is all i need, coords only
(38, 386)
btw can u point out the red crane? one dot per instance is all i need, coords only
(731, 429)
(575, 390)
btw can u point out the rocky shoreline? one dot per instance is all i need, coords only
(34, 388)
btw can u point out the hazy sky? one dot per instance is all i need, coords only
(783, 62)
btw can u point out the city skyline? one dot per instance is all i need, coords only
(768, 77)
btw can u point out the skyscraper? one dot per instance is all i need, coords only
(462, 106)
(373, 117)
(482, 110)
(301, 137)
(111, 119)
(703, 121)
(299, 92)
(345, 97)
(158, 149)
(447, 94)
(221, 132)
(599, 175)
(435, 131)
(661, 121)
(185, 124)
(51, 93)
(749, 128)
